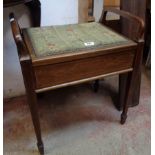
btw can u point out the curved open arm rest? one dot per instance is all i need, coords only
(17, 35)
(126, 15)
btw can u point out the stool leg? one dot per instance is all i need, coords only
(96, 86)
(127, 95)
(29, 82)
(131, 78)
(35, 119)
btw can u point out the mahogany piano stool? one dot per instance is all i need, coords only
(57, 56)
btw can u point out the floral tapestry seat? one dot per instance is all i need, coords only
(54, 40)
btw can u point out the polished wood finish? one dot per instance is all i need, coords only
(29, 79)
(43, 74)
(134, 99)
(131, 79)
(82, 69)
(33, 5)
(130, 17)
(82, 80)
(138, 8)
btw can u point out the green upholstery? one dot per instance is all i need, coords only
(53, 40)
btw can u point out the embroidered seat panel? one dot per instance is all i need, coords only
(55, 40)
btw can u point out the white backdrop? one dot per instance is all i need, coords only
(98, 5)
(58, 12)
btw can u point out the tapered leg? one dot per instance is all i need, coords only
(96, 86)
(29, 81)
(134, 99)
(122, 90)
(131, 79)
(35, 119)
(127, 97)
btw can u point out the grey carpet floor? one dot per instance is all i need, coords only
(77, 121)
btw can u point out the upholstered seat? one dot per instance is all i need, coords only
(54, 40)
